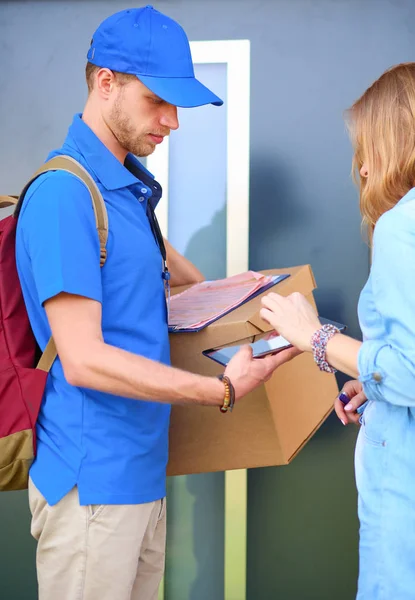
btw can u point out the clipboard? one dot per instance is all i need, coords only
(275, 280)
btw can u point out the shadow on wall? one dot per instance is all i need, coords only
(207, 247)
(195, 553)
(276, 213)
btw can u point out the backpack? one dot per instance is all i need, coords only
(22, 380)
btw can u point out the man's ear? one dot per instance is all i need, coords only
(105, 82)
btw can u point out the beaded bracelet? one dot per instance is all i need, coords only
(319, 342)
(229, 399)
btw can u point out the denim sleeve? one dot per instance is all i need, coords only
(387, 365)
(57, 226)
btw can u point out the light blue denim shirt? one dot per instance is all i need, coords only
(385, 450)
(386, 360)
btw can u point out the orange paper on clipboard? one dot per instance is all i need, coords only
(203, 303)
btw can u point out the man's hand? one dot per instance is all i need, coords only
(354, 390)
(246, 373)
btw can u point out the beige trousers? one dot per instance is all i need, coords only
(104, 552)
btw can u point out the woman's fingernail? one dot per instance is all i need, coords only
(343, 422)
(348, 407)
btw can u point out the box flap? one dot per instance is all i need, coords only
(300, 395)
(311, 434)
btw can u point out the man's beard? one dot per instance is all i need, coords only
(125, 133)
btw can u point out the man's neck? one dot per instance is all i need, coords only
(93, 118)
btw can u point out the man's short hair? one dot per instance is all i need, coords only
(91, 70)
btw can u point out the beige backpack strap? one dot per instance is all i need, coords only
(48, 357)
(8, 201)
(69, 164)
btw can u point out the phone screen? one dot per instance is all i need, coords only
(261, 344)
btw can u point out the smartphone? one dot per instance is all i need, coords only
(262, 344)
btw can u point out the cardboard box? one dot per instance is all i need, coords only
(267, 427)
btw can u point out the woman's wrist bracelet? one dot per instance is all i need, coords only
(319, 342)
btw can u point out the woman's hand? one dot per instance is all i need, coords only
(293, 317)
(347, 413)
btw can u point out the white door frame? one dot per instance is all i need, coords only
(236, 55)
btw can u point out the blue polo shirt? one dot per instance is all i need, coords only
(113, 448)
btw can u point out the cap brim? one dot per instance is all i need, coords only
(185, 92)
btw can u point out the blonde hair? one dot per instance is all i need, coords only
(382, 127)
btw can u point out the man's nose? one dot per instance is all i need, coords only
(169, 117)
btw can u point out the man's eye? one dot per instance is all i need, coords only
(157, 100)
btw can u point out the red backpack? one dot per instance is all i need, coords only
(22, 381)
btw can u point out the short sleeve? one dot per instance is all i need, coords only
(57, 226)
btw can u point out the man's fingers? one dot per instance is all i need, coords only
(246, 349)
(289, 354)
(273, 361)
(283, 356)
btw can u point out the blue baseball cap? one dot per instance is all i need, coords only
(146, 43)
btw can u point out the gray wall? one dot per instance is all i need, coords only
(310, 60)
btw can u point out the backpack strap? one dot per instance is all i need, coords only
(48, 357)
(70, 165)
(6, 201)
